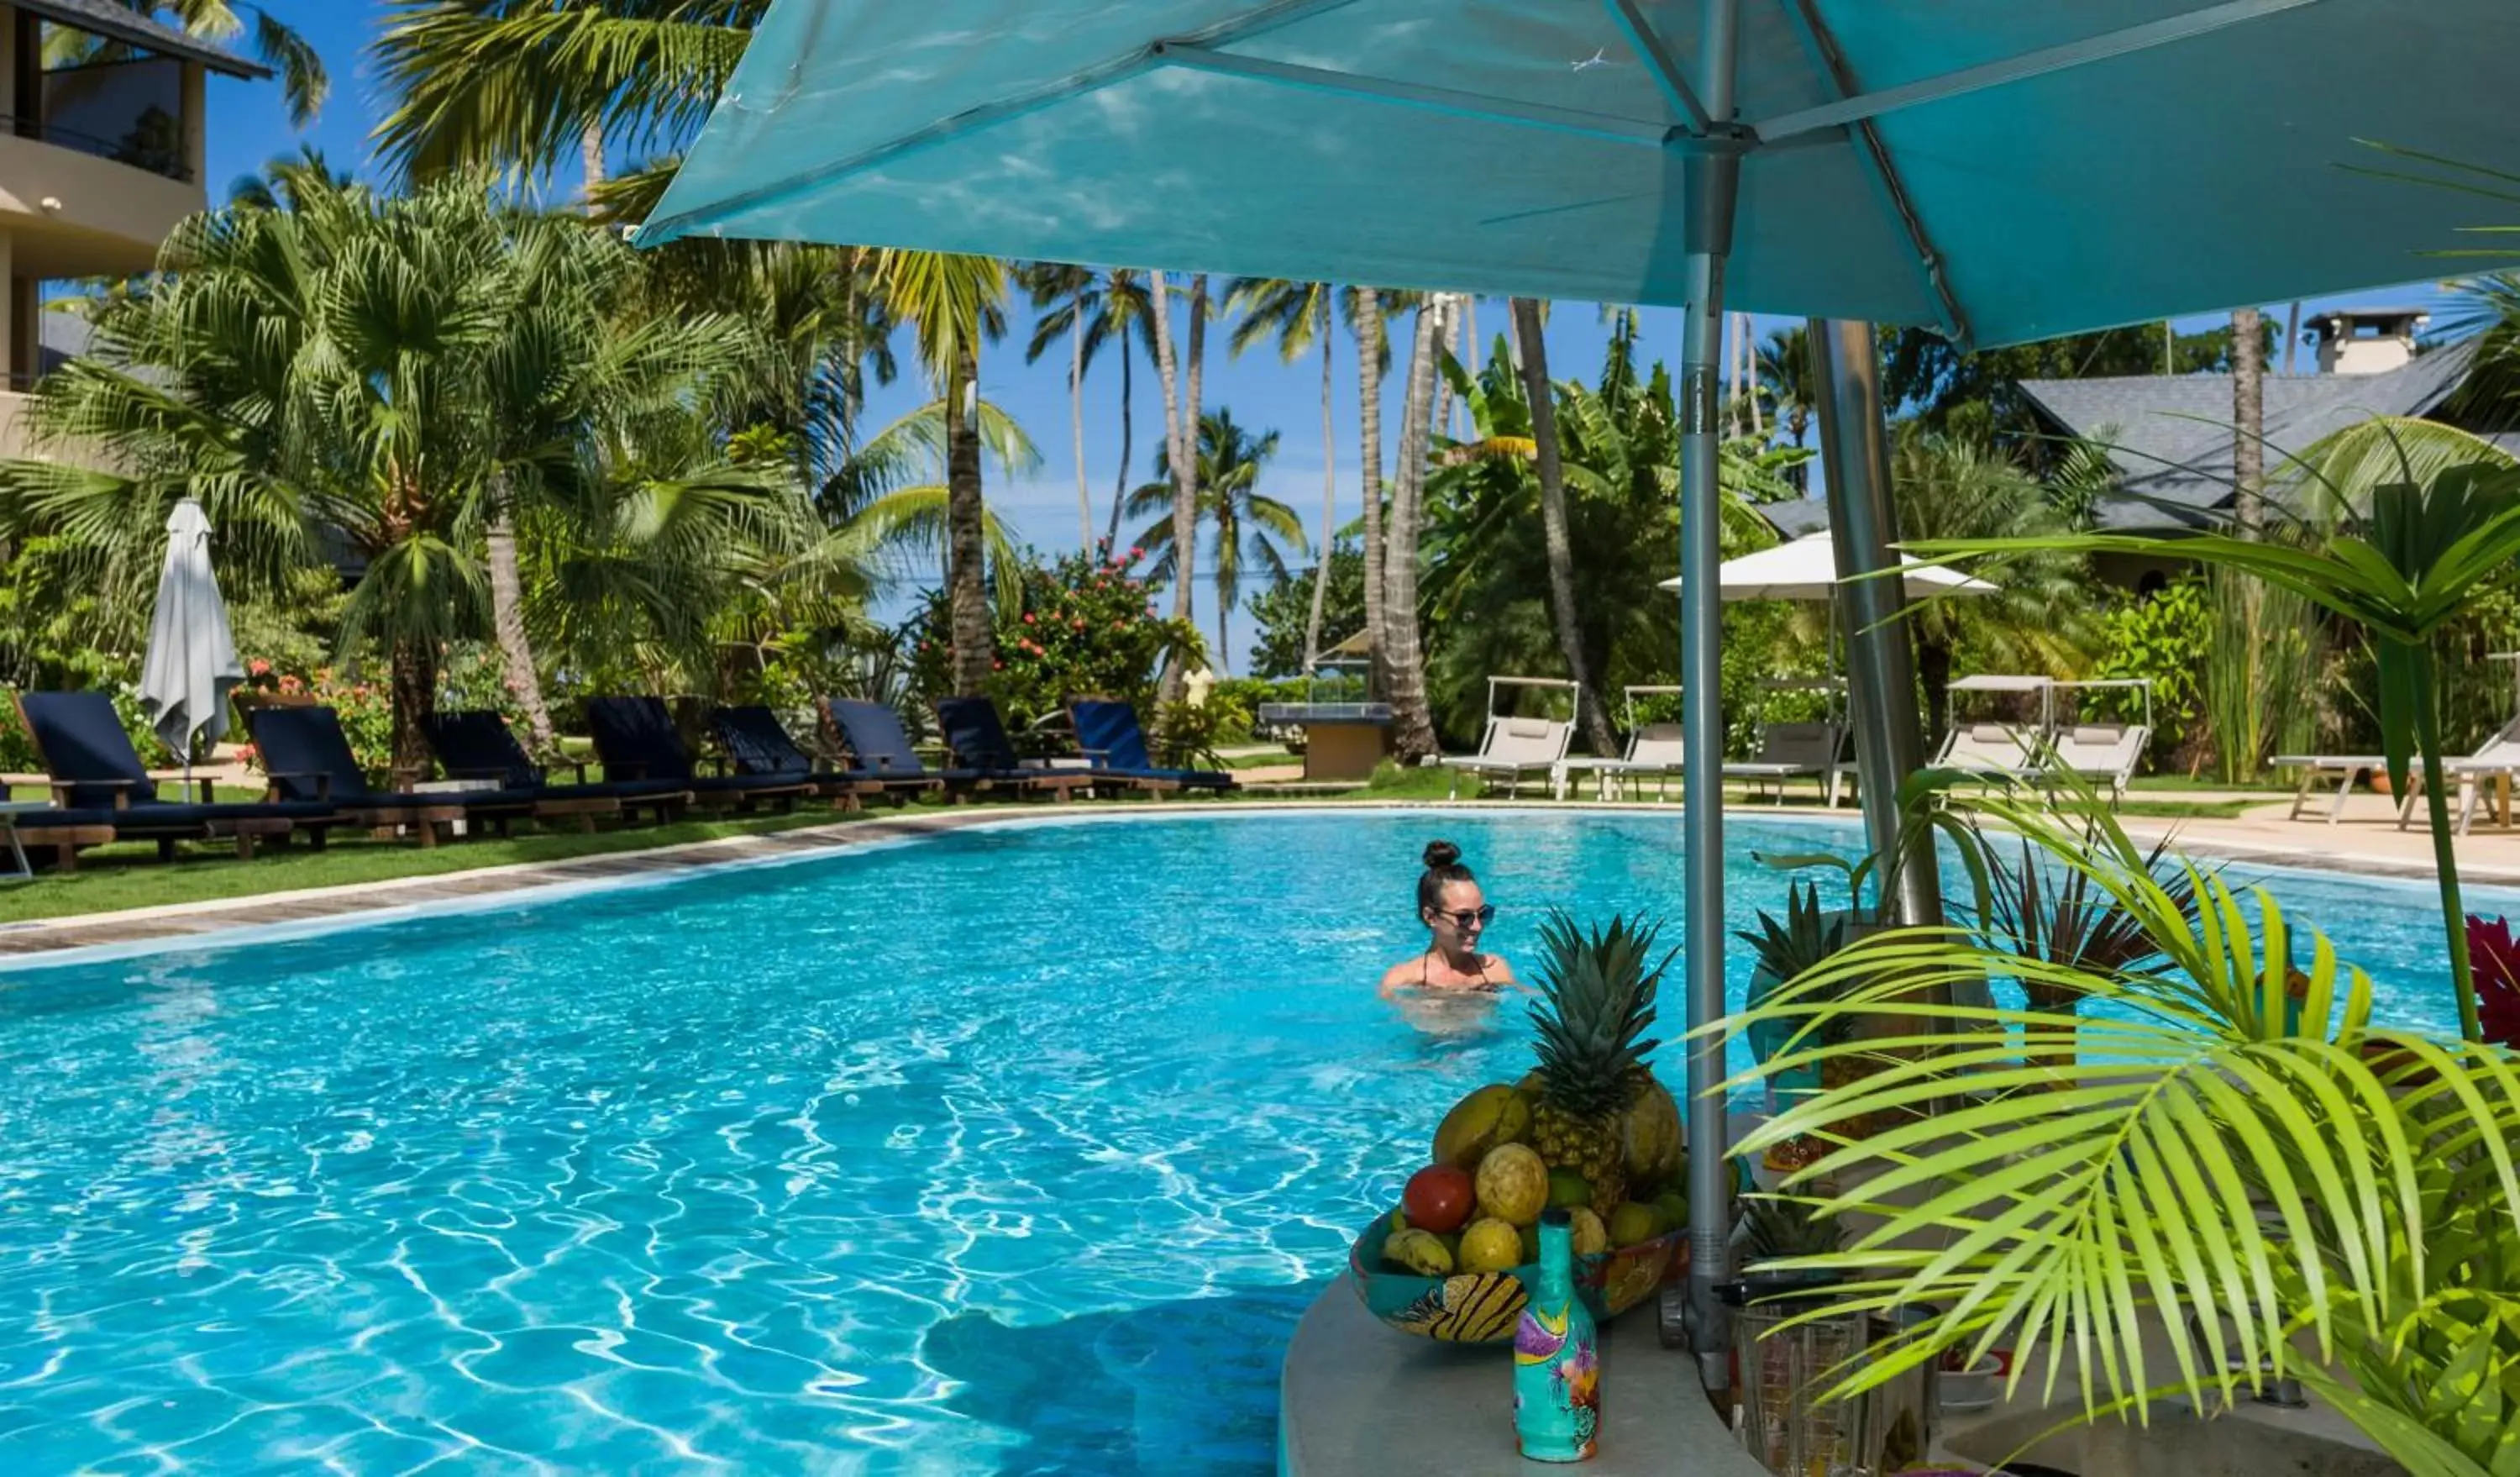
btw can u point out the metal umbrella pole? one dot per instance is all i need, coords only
(1712, 186)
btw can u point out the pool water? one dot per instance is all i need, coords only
(1011, 1150)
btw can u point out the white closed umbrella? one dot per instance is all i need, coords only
(1806, 569)
(192, 663)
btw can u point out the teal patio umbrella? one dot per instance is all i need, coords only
(2000, 170)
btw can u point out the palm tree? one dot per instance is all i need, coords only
(1251, 528)
(1180, 416)
(1785, 377)
(1372, 353)
(1950, 489)
(1413, 725)
(1299, 314)
(1067, 289)
(522, 84)
(951, 302)
(354, 366)
(1541, 398)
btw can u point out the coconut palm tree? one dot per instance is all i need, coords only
(1412, 724)
(1541, 396)
(1299, 314)
(1056, 284)
(1785, 377)
(1372, 352)
(1181, 418)
(1251, 529)
(951, 303)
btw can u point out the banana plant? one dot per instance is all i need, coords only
(2221, 1143)
(2413, 556)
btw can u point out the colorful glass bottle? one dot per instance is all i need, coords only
(1556, 1358)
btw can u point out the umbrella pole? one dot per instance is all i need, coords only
(1713, 185)
(1881, 670)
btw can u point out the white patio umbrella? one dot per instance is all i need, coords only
(192, 663)
(2002, 170)
(1806, 569)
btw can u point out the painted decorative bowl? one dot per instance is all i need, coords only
(1481, 1306)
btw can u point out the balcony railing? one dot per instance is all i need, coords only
(142, 148)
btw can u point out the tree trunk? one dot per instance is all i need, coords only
(1076, 425)
(2292, 339)
(507, 616)
(1413, 727)
(1934, 675)
(1128, 438)
(1553, 525)
(2248, 420)
(1329, 501)
(1750, 372)
(1369, 375)
(414, 701)
(1177, 455)
(967, 547)
(590, 156)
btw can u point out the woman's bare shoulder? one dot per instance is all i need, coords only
(1408, 971)
(1498, 969)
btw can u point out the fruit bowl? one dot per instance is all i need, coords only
(1481, 1306)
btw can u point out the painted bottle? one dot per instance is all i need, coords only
(1556, 1358)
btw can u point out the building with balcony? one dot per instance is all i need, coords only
(102, 132)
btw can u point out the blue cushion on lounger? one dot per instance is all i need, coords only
(1109, 732)
(873, 736)
(977, 735)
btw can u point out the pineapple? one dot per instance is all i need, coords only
(1597, 999)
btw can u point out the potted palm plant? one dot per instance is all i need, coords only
(2264, 1190)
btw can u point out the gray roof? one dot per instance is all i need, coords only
(2170, 436)
(1796, 518)
(121, 22)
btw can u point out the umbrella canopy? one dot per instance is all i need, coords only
(1806, 569)
(2006, 169)
(192, 663)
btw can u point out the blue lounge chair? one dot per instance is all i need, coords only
(636, 739)
(306, 756)
(872, 735)
(96, 772)
(477, 745)
(977, 736)
(1108, 736)
(753, 738)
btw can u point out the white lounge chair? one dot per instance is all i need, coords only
(1996, 751)
(1796, 751)
(2497, 758)
(2347, 768)
(1655, 751)
(2103, 753)
(1514, 750)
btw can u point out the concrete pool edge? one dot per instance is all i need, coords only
(211, 923)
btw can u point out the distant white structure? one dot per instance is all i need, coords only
(2368, 341)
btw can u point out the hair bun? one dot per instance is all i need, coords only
(1441, 854)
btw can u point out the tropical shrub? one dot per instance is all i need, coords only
(2163, 638)
(1083, 627)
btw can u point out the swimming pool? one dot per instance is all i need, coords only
(1014, 1149)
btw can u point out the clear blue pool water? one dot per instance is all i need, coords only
(1017, 1150)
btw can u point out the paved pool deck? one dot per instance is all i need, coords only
(2365, 841)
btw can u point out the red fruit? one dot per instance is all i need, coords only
(1439, 1199)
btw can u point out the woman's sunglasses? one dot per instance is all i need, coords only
(1466, 917)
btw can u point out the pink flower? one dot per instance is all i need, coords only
(1029, 618)
(1137, 551)
(258, 667)
(292, 685)
(999, 666)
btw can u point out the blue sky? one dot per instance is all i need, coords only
(249, 126)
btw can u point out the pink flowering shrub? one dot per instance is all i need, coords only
(1085, 627)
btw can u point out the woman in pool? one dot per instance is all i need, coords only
(1456, 914)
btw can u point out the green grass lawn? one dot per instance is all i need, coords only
(127, 873)
(2270, 783)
